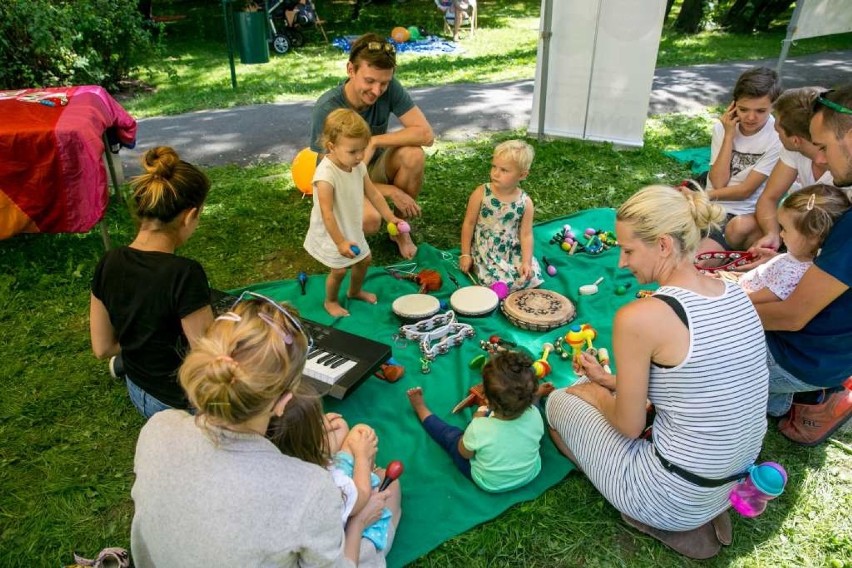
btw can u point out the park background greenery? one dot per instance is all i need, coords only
(69, 431)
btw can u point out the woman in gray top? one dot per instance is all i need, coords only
(212, 490)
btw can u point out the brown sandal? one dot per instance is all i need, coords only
(701, 543)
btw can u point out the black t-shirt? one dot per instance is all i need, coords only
(146, 295)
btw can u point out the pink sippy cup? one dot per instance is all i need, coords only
(765, 482)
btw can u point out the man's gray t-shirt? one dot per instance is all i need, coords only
(395, 100)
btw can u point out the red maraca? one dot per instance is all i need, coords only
(392, 472)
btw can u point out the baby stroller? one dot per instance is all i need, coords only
(290, 15)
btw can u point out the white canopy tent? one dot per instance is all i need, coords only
(595, 67)
(814, 18)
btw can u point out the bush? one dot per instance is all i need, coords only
(70, 42)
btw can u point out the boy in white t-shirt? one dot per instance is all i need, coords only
(744, 147)
(795, 169)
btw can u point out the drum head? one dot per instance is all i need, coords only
(538, 310)
(474, 301)
(413, 307)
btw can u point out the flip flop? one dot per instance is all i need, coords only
(113, 557)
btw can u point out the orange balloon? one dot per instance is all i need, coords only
(303, 168)
(400, 34)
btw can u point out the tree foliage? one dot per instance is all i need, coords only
(738, 16)
(65, 42)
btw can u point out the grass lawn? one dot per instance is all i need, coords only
(194, 73)
(69, 431)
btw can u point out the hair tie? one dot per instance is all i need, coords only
(226, 359)
(811, 202)
(230, 316)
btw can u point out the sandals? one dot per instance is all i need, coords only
(112, 557)
(701, 543)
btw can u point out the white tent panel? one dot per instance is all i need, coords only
(821, 17)
(599, 70)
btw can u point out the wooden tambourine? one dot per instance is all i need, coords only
(414, 307)
(474, 301)
(538, 310)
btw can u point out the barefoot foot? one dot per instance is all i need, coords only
(335, 309)
(415, 397)
(364, 296)
(407, 248)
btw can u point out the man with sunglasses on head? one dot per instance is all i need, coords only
(395, 160)
(809, 335)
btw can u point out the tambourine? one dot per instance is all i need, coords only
(414, 307)
(538, 310)
(474, 301)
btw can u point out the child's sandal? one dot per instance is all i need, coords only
(113, 557)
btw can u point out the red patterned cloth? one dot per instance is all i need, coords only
(52, 176)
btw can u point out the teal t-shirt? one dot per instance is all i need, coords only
(507, 455)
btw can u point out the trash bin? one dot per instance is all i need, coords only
(251, 36)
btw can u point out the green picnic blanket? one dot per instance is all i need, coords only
(697, 158)
(438, 501)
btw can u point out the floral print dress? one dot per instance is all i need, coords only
(496, 247)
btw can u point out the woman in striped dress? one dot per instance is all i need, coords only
(696, 349)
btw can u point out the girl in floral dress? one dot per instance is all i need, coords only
(497, 236)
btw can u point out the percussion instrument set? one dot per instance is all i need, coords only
(726, 259)
(436, 331)
(442, 327)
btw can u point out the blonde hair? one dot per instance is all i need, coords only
(244, 362)
(518, 151)
(659, 210)
(815, 209)
(343, 123)
(169, 186)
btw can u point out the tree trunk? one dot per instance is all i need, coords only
(689, 19)
(735, 14)
(772, 11)
(669, 4)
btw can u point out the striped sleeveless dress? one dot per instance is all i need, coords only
(710, 421)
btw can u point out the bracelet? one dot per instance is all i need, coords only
(464, 255)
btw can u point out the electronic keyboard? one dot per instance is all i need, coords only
(340, 361)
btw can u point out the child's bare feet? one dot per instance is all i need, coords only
(364, 296)
(334, 309)
(407, 248)
(415, 397)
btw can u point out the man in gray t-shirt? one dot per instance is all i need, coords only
(396, 159)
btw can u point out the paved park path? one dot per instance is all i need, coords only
(275, 132)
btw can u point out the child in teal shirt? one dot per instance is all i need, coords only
(499, 450)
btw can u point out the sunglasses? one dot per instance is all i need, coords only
(375, 47)
(288, 339)
(836, 107)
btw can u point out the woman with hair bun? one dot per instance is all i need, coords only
(149, 305)
(213, 490)
(696, 349)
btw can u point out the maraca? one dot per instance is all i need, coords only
(551, 270)
(396, 228)
(303, 279)
(356, 250)
(392, 472)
